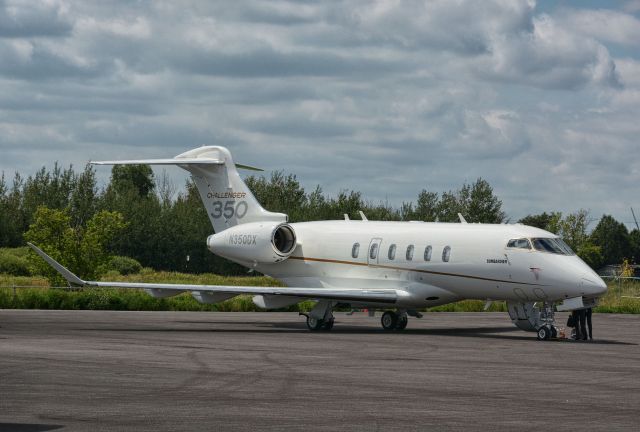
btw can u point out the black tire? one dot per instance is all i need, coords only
(543, 333)
(328, 325)
(402, 322)
(314, 324)
(554, 332)
(389, 320)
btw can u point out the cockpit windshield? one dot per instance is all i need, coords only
(521, 243)
(552, 245)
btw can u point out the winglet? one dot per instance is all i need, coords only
(66, 273)
(462, 219)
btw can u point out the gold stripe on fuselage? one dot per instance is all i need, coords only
(333, 261)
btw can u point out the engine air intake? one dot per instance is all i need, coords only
(284, 239)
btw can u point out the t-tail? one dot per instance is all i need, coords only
(225, 195)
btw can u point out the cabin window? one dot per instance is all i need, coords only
(427, 253)
(521, 243)
(410, 252)
(552, 245)
(446, 254)
(355, 250)
(392, 252)
(373, 253)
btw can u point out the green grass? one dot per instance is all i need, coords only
(131, 299)
(44, 297)
(618, 298)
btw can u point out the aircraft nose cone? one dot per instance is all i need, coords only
(593, 284)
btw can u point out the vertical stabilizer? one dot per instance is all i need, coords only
(225, 195)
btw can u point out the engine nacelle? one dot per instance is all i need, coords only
(257, 242)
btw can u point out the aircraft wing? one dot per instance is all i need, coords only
(388, 296)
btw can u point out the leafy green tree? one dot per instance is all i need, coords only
(591, 255)
(449, 207)
(11, 215)
(483, 206)
(613, 239)
(348, 202)
(573, 229)
(95, 242)
(552, 222)
(542, 220)
(83, 251)
(84, 197)
(476, 202)
(137, 177)
(49, 189)
(129, 193)
(381, 212)
(427, 206)
(282, 193)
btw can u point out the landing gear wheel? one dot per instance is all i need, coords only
(402, 322)
(543, 333)
(314, 324)
(389, 320)
(327, 325)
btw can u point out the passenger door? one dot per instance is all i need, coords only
(374, 251)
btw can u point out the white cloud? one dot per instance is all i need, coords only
(549, 56)
(605, 25)
(387, 98)
(136, 28)
(629, 70)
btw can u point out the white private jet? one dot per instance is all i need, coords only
(397, 266)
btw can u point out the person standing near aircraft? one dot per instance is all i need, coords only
(582, 313)
(588, 313)
(575, 315)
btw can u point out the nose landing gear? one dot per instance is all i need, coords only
(547, 332)
(534, 318)
(547, 323)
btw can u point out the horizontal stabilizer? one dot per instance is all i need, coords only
(172, 161)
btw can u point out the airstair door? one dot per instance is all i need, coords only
(374, 251)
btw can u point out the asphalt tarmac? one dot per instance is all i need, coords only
(112, 371)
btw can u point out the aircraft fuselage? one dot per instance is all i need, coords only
(479, 266)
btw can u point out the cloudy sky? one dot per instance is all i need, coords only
(542, 99)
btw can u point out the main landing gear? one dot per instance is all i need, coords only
(320, 318)
(394, 321)
(315, 324)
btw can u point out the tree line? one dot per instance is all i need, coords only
(140, 216)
